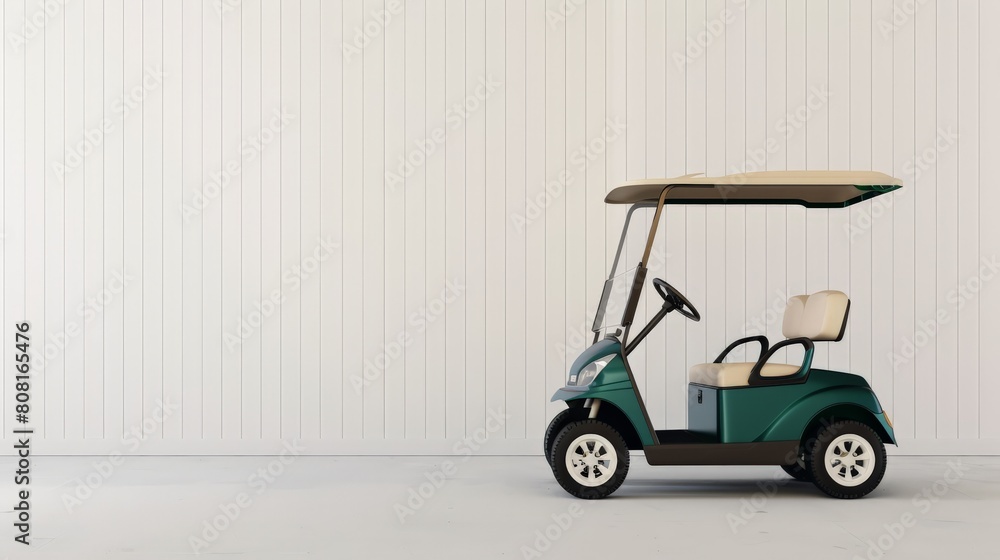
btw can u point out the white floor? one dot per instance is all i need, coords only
(491, 507)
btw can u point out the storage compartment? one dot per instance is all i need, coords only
(703, 410)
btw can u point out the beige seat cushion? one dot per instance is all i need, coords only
(736, 374)
(818, 317)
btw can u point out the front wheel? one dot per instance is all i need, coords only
(589, 459)
(848, 460)
(557, 424)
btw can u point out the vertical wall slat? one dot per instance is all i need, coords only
(192, 415)
(945, 334)
(213, 164)
(231, 202)
(759, 301)
(776, 157)
(904, 209)
(860, 237)
(290, 280)
(514, 220)
(315, 250)
(476, 176)
(536, 348)
(92, 170)
(654, 154)
(173, 216)
(716, 217)
(271, 101)
(114, 215)
(151, 108)
(54, 256)
(555, 211)
(396, 349)
(435, 219)
(455, 218)
(989, 230)
(494, 212)
(968, 308)
(737, 247)
(415, 247)
(815, 134)
(671, 248)
(838, 82)
(13, 188)
(34, 200)
(241, 332)
(881, 267)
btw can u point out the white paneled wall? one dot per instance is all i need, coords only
(374, 225)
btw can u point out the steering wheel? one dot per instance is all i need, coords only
(672, 296)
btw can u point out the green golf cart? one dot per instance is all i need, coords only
(822, 426)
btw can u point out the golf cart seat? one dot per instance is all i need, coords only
(818, 317)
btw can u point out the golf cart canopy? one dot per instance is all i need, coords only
(812, 189)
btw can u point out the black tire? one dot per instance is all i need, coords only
(564, 417)
(837, 486)
(797, 472)
(610, 481)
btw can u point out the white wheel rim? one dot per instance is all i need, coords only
(849, 460)
(591, 460)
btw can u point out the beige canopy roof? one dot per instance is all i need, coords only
(813, 189)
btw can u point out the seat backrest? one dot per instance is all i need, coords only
(819, 317)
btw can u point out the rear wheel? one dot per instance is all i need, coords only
(797, 471)
(848, 460)
(589, 459)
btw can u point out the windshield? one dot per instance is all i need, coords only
(626, 269)
(614, 298)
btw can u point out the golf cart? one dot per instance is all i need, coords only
(822, 426)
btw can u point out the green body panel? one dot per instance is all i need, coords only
(782, 412)
(613, 385)
(745, 414)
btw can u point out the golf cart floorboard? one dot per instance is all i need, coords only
(684, 436)
(683, 447)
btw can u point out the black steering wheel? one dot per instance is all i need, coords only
(676, 299)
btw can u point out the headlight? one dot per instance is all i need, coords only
(590, 371)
